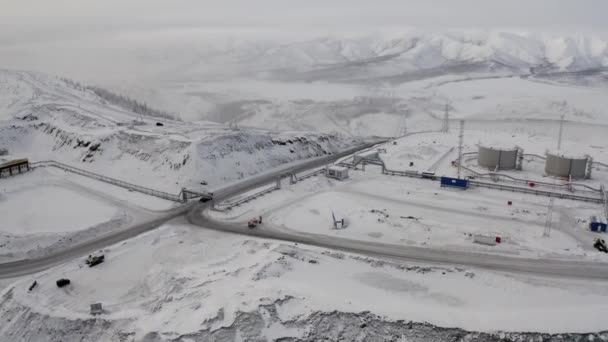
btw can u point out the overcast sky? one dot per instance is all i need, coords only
(110, 41)
(44, 20)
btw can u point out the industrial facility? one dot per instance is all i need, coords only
(14, 167)
(560, 165)
(499, 158)
(337, 172)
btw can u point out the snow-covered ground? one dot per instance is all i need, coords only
(181, 280)
(49, 209)
(46, 210)
(405, 211)
(400, 210)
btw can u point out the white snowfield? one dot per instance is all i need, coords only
(53, 206)
(46, 210)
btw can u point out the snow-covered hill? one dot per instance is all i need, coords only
(47, 118)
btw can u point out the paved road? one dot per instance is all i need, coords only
(29, 266)
(193, 211)
(547, 267)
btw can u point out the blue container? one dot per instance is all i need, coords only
(594, 226)
(455, 182)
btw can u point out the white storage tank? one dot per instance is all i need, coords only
(501, 158)
(561, 165)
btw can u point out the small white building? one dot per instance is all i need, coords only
(337, 172)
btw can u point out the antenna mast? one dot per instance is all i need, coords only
(460, 141)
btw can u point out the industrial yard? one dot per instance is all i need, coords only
(418, 212)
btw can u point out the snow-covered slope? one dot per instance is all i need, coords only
(46, 118)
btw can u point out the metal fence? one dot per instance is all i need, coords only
(536, 191)
(181, 197)
(497, 186)
(229, 205)
(294, 178)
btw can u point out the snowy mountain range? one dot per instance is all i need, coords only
(393, 54)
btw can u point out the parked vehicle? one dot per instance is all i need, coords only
(63, 282)
(254, 222)
(600, 245)
(93, 260)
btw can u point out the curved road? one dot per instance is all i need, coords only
(547, 267)
(195, 215)
(29, 266)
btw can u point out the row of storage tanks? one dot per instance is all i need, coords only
(556, 164)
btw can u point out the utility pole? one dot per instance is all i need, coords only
(561, 130)
(460, 141)
(549, 221)
(446, 119)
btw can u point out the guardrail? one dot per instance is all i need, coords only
(182, 197)
(535, 191)
(495, 175)
(406, 173)
(229, 205)
(294, 177)
(430, 176)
